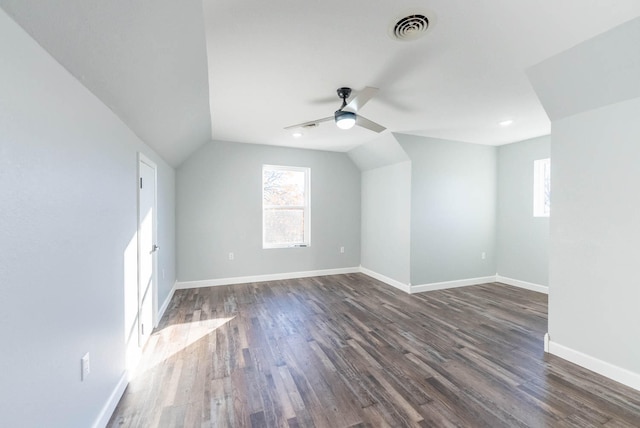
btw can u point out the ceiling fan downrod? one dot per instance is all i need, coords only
(344, 119)
(344, 93)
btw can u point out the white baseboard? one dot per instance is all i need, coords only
(181, 285)
(390, 281)
(523, 284)
(624, 376)
(408, 288)
(452, 284)
(107, 410)
(165, 305)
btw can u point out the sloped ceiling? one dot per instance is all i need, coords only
(565, 89)
(146, 60)
(181, 73)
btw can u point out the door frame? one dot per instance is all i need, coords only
(154, 270)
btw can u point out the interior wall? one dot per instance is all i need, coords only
(593, 301)
(219, 211)
(68, 183)
(591, 93)
(453, 209)
(522, 244)
(386, 221)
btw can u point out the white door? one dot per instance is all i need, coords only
(147, 248)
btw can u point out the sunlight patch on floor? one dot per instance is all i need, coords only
(175, 338)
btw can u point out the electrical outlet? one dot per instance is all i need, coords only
(484, 255)
(341, 250)
(231, 256)
(85, 367)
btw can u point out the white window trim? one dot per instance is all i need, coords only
(306, 208)
(538, 187)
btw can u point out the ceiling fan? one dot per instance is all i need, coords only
(347, 115)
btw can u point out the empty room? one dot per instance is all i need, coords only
(222, 213)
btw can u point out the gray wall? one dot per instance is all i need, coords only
(386, 221)
(219, 210)
(594, 293)
(522, 244)
(68, 214)
(592, 95)
(453, 209)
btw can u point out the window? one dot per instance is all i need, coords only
(541, 187)
(285, 206)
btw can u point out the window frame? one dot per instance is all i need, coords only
(306, 208)
(540, 208)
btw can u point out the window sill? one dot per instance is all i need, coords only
(271, 247)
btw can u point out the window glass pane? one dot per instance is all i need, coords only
(542, 187)
(285, 206)
(283, 187)
(547, 186)
(282, 226)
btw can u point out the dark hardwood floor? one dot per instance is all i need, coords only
(347, 350)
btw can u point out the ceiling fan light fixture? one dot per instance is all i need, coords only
(345, 119)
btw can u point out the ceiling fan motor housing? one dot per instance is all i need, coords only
(344, 93)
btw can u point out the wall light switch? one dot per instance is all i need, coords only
(231, 256)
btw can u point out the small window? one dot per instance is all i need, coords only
(541, 187)
(285, 206)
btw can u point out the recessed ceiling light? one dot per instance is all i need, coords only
(297, 134)
(506, 122)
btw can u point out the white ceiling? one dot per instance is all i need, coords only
(182, 72)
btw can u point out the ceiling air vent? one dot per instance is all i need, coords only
(410, 27)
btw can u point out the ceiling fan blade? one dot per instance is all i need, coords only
(361, 99)
(366, 123)
(311, 122)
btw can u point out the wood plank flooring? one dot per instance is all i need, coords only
(349, 351)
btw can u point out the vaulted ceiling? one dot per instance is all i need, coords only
(180, 73)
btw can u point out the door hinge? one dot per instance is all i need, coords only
(141, 182)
